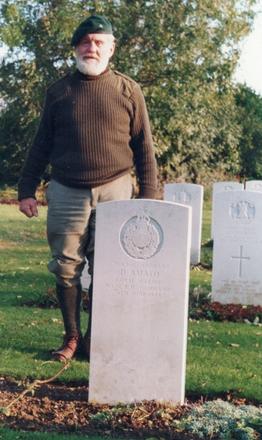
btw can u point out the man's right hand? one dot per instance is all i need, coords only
(29, 207)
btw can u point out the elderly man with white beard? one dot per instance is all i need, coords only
(94, 129)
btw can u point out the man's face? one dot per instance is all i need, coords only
(94, 52)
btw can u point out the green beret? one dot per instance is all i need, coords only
(95, 24)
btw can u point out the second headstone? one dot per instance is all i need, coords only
(189, 194)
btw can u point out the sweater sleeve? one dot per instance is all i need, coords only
(142, 147)
(38, 156)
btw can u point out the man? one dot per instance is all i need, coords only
(94, 127)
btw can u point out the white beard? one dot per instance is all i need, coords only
(91, 66)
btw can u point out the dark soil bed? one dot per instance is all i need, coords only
(64, 408)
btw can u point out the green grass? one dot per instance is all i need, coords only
(27, 334)
(206, 221)
(23, 256)
(8, 434)
(224, 357)
(27, 337)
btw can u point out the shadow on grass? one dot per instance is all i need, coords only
(26, 277)
(16, 288)
(20, 346)
(44, 355)
(20, 299)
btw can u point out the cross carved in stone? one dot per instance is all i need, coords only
(241, 258)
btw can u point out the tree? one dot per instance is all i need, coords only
(182, 52)
(249, 106)
(37, 34)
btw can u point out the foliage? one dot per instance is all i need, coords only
(8, 195)
(201, 307)
(150, 419)
(181, 61)
(224, 421)
(228, 312)
(35, 33)
(249, 108)
(182, 52)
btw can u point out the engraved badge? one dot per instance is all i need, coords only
(242, 210)
(181, 197)
(141, 237)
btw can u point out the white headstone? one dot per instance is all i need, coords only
(237, 253)
(140, 303)
(85, 278)
(253, 185)
(219, 187)
(189, 194)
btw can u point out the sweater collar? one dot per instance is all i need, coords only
(82, 77)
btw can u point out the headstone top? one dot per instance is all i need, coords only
(227, 186)
(189, 194)
(254, 185)
(218, 187)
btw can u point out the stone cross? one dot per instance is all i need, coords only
(241, 258)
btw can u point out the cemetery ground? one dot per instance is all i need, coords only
(223, 357)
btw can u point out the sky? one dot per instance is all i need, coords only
(249, 69)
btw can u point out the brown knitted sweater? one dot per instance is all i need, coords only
(92, 131)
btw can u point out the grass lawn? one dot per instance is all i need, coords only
(8, 434)
(222, 357)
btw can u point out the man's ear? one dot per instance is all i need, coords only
(112, 50)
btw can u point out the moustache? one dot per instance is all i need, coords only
(90, 57)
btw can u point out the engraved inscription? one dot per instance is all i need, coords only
(181, 197)
(141, 237)
(239, 292)
(242, 210)
(238, 287)
(241, 258)
(142, 283)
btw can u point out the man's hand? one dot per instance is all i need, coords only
(29, 207)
